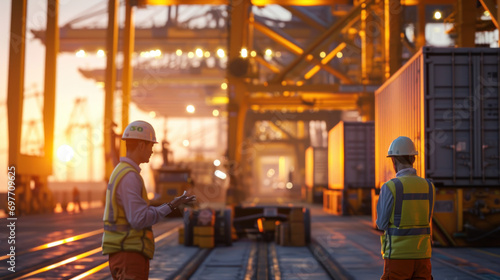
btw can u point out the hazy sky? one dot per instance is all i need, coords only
(70, 84)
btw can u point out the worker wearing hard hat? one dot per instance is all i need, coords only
(404, 212)
(128, 237)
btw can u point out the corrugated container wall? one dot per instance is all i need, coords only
(351, 157)
(446, 100)
(316, 167)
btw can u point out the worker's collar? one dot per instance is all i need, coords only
(131, 162)
(407, 172)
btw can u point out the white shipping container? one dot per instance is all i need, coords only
(447, 101)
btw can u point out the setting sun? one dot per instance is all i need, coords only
(65, 153)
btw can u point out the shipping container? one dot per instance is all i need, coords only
(316, 173)
(447, 101)
(351, 168)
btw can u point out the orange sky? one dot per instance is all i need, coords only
(70, 85)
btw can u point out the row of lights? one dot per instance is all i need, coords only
(268, 53)
(190, 109)
(439, 15)
(200, 53)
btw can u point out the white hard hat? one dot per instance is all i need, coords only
(402, 146)
(140, 130)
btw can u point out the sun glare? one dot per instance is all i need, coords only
(65, 153)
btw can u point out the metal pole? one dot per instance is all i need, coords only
(49, 106)
(128, 50)
(110, 82)
(15, 85)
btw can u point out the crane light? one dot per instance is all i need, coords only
(221, 53)
(80, 53)
(199, 52)
(244, 53)
(438, 15)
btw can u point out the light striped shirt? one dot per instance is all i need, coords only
(129, 196)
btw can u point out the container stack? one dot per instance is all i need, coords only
(351, 168)
(316, 172)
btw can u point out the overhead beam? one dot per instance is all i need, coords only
(325, 60)
(338, 102)
(489, 5)
(307, 17)
(273, 34)
(254, 2)
(281, 38)
(331, 32)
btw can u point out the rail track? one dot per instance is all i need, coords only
(78, 255)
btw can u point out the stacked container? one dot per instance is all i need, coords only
(316, 174)
(351, 168)
(447, 101)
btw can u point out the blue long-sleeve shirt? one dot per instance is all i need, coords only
(129, 196)
(386, 200)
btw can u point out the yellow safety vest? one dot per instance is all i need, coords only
(118, 233)
(409, 232)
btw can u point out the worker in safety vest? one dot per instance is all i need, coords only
(404, 212)
(128, 236)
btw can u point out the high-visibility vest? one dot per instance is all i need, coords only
(409, 233)
(118, 233)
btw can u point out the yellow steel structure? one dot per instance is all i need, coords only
(291, 87)
(32, 194)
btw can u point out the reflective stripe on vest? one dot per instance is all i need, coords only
(118, 233)
(408, 235)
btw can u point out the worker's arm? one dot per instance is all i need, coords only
(384, 207)
(137, 211)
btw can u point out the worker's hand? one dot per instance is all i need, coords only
(183, 199)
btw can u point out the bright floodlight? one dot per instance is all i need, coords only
(221, 53)
(217, 162)
(199, 52)
(190, 109)
(100, 53)
(244, 53)
(185, 143)
(220, 174)
(65, 153)
(80, 53)
(215, 113)
(438, 15)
